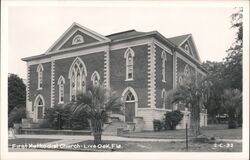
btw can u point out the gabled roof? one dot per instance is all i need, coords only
(125, 34)
(70, 31)
(178, 40)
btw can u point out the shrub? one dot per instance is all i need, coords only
(157, 125)
(61, 117)
(232, 124)
(172, 119)
(16, 115)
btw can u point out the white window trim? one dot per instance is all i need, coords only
(164, 60)
(187, 69)
(83, 74)
(164, 96)
(36, 105)
(77, 36)
(39, 70)
(126, 54)
(123, 98)
(95, 74)
(61, 79)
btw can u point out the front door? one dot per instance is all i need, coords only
(39, 112)
(129, 111)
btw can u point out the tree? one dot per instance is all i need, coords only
(172, 119)
(233, 61)
(16, 92)
(96, 102)
(192, 93)
(232, 102)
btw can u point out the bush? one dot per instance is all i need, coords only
(16, 115)
(61, 117)
(232, 124)
(172, 119)
(157, 125)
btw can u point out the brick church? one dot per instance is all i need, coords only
(141, 67)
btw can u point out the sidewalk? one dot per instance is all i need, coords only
(78, 138)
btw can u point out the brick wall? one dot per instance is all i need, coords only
(118, 73)
(168, 85)
(93, 62)
(87, 39)
(46, 85)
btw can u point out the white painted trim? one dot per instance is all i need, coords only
(81, 27)
(164, 60)
(39, 76)
(61, 78)
(129, 50)
(135, 95)
(35, 105)
(69, 55)
(52, 82)
(77, 36)
(164, 97)
(184, 40)
(185, 59)
(72, 65)
(95, 73)
(107, 69)
(131, 43)
(162, 46)
(151, 75)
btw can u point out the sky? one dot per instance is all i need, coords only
(32, 30)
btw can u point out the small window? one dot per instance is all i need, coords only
(77, 39)
(163, 96)
(187, 71)
(187, 48)
(164, 59)
(61, 83)
(95, 78)
(39, 76)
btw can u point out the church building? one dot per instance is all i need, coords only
(141, 67)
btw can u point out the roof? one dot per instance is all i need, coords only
(179, 39)
(125, 34)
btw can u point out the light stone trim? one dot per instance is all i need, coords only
(52, 83)
(151, 75)
(28, 84)
(107, 69)
(68, 55)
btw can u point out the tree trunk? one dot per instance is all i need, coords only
(195, 121)
(97, 131)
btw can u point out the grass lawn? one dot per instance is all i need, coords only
(23, 141)
(217, 131)
(127, 146)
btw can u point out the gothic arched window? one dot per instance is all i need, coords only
(95, 78)
(77, 76)
(163, 96)
(129, 56)
(187, 71)
(39, 107)
(164, 59)
(39, 76)
(61, 83)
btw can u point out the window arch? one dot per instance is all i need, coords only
(39, 76)
(39, 106)
(77, 76)
(129, 56)
(187, 48)
(129, 95)
(164, 96)
(61, 82)
(164, 59)
(77, 39)
(95, 78)
(187, 71)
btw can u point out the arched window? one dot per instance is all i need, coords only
(163, 96)
(187, 48)
(164, 59)
(61, 82)
(187, 71)
(180, 80)
(129, 56)
(39, 76)
(95, 78)
(77, 39)
(39, 107)
(130, 97)
(77, 76)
